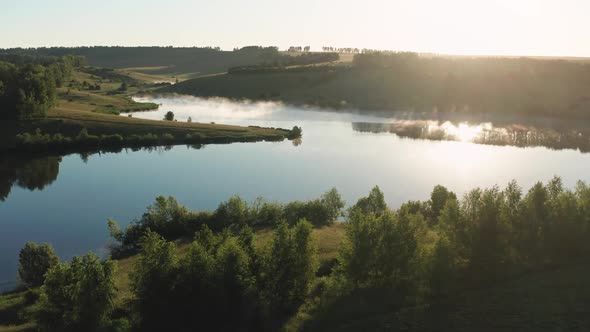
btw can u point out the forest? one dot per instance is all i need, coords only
(207, 269)
(28, 84)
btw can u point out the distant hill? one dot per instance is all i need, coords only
(168, 59)
(408, 82)
(174, 60)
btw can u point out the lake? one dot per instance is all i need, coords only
(66, 200)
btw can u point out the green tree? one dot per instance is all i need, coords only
(438, 199)
(374, 203)
(385, 250)
(153, 279)
(34, 261)
(232, 211)
(333, 203)
(289, 267)
(169, 116)
(78, 296)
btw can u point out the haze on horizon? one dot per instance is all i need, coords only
(501, 27)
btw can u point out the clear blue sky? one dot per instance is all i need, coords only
(518, 27)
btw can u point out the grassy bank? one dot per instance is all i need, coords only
(92, 100)
(69, 124)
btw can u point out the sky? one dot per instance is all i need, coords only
(494, 27)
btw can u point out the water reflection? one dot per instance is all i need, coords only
(36, 173)
(28, 173)
(520, 135)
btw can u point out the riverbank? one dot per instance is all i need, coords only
(87, 118)
(68, 124)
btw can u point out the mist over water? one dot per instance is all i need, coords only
(66, 201)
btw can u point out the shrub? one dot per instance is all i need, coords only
(169, 116)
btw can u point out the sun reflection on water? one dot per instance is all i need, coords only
(462, 132)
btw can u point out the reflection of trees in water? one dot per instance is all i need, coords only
(35, 173)
(297, 141)
(513, 135)
(29, 173)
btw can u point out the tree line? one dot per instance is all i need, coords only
(172, 221)
(28, 84)
(280, 62)
(222, 281)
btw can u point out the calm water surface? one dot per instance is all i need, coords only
(66, 201)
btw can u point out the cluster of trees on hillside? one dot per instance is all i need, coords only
(223, 281)
(166, 60)
(352, 50)
(520, 85)
(172, 221)
(280, 63)
(299, 49)
(27, 86)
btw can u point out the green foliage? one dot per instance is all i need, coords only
(169, 116)
(289, 267)
(34, 261)
(28, 91)
(134, 107)
(153, 277)
(28, 85)
(78, 296)
(172, 221)
(383, 250)
(372, 204)
(296, 132)
(232, 212)
(438, 199)
(219, 282)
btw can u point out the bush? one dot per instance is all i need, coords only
(169, 116)
(296, 132)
